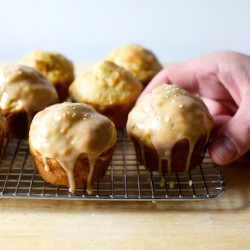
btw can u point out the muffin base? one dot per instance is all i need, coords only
(58, 176)
(117, 113)
(62, 90)
(179, 155)
(2, 142)
(17, 121)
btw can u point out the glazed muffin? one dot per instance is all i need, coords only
(3, 129)
(23, 92)
(110, 89)
(170, 129)
(56, 67)
(141, 62)
(72, 144)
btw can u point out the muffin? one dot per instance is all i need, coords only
(3, 129)
(110, 89)
(23, 92)
(72, 144)
(170, 129)
(58, 69)
(141, 62)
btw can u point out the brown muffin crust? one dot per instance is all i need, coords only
(2, 142)
(117, 113)
(63, 90)
(179, 155)
(58, 176)
(3, 129)
(18, 127)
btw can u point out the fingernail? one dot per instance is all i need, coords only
(224, 148)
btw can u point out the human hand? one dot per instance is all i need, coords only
(222, 79)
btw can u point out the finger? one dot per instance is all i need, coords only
(219, 76)
(220, 121)
(199, 76)
(233, 139)
(179, 74)
(215, 108)
(231, 106)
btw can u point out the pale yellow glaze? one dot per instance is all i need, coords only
(105, 84)
(141, 62)
(25, 88)
(55, 66)
(166, 116)
(65, 131)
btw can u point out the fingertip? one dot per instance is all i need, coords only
(222, 150)
(215, 157)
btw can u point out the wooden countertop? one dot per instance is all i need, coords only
(214, 224)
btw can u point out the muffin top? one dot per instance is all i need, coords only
(25, 88)
(65, 131)
(105, 84)
(141, 62)
(55, 66)
(166, 116)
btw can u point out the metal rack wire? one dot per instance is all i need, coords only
(124, 180)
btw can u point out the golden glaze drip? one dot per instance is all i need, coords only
(190, 151)
(169, 160)
(25, 88)
(65, 131)
(162, 182)
(166, 116)
(92, 161)
(46, 166)
(171, 184)
(142, 154)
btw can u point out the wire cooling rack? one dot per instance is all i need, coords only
(124, 180)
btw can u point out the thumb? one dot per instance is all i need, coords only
(233, 139)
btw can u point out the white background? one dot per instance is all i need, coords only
(87, 30)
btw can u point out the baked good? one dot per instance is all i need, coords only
(58, 69)
(72, 144)
(23, 92)
(141, 62)
(3, 129)
(109, 88)
(170, 129)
